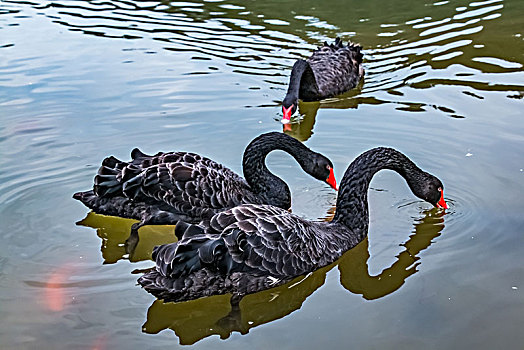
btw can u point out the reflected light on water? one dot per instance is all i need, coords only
(54, 292)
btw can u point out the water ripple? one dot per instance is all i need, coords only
(258, 45)
(80, 80)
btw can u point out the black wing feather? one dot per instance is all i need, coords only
(259, 239)
(192, 186)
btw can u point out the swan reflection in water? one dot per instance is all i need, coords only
(113, 231)
(301, 127)
(197, 319)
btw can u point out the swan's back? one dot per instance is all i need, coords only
(184, 185)
(260, 245)
(241, 250)
(337, 68)
(255, 238)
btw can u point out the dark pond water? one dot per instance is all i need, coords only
(80, 80)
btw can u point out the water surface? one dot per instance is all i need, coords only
(80, 80)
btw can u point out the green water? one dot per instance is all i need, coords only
(80, 80)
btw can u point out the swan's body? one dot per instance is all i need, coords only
(331, 70)
(253, 247)
(168, 187)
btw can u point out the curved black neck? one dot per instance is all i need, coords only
(293, 91)
(352, 202)
(260, 179)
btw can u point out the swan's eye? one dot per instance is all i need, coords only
(440, 189)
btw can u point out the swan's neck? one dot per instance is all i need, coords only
(352, 203)
(262, 182)
(293, 90)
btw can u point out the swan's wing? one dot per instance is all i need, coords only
(259, 239)
(337, 68)
(113, 173)
(192, 185)
(195, 187)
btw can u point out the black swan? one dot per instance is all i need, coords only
(254, 247)
(331, 70)
(167, 187)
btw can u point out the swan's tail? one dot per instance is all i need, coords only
(200, 284)
(89, 198)
(115, 206)
(161, 286)
(357, 53)
(205, 282)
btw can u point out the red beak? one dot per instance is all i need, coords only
(442, 203)
(331, 179)
(287, 114)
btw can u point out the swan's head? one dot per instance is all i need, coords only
(321, 169)
(289, 109)
(430, 189)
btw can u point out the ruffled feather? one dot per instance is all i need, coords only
(337, 68)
